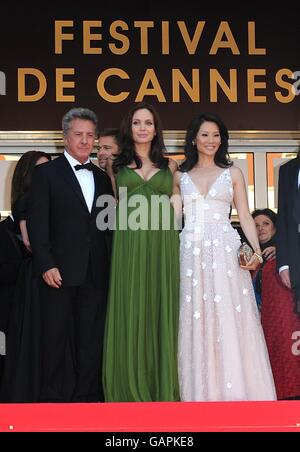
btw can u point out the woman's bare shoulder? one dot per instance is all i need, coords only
(177, 176)
(173, 165)
(236, 172)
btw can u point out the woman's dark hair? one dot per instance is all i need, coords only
(23, 173)
(267, 213)
(128, 153)
(190, 149)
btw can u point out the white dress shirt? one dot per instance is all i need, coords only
(85, 179)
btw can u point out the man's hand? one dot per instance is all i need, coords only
(52, 278)
(285, 278)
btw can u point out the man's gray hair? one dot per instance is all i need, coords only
(79, 113)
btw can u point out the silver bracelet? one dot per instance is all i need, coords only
(259, 257)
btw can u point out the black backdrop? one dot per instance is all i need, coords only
(27, 40)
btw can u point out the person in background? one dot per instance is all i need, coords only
(108, 150)
(19, 189)
(266, 229)
(108, 146)
(222, 351)
(140, 354)
(279, 321)
(15, 278)
(71, 256)
(11, 256)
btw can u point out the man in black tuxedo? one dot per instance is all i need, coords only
(288, 227)
(71, 254)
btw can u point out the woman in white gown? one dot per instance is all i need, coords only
(222, 350)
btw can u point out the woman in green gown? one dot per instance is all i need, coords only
(140, 350)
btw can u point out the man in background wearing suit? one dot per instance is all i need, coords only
(71, 255)
(288, 227)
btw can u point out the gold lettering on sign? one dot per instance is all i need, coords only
(23, 74)
(145, 90)
(165, 37)
(229, 43)
(60, 36)
(191, 44)
(123, 39)
(253, 85)
(113, 98)
(252, 50)
(179, 80)
(144, 27)
(88, 37)
(286, 85)
(217, 80)
(61, 85)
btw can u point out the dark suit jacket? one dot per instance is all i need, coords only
(62, 231)
(11, 256)
(288, 249)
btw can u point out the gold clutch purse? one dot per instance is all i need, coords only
(244, 253)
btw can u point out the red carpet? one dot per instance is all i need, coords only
(152, 417)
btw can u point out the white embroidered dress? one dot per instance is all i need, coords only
(222, 350)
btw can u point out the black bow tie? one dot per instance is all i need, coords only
(88, 166)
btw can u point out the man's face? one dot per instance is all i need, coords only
(80, 139)
(108, 148)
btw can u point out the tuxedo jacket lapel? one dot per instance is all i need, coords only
(98, 189)
(295, 192)
(293, 176)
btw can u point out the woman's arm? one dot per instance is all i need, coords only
(247, 223)
(24, 233)
(176, 198)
